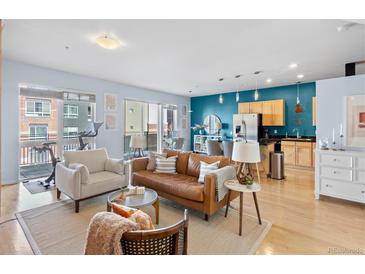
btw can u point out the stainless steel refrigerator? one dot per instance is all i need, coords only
(247, 126)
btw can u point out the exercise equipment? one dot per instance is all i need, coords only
(46, 147)
(89, 133)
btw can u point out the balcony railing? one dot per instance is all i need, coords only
(29, 155)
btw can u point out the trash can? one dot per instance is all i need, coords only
(277, 165)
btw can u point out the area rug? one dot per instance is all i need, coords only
(56, 229)
(34, 186)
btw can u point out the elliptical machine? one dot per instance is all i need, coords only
(46, 147)
(89, 133)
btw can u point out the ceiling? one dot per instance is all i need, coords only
(176, 56)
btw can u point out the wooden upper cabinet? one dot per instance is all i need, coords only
(267, 113)
(256, 107)
(243, 108)
(278, 111)
(314, 111)
(273, 112)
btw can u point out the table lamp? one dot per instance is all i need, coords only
(245, 153)
(138, 143)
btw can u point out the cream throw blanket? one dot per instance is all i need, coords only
(223, 174)
(105, 232)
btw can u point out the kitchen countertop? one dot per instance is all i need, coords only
(275, 139)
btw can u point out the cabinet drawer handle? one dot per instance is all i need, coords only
(334, 159)
(334, 172)
(363, 191)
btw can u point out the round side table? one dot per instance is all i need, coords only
(234, 185)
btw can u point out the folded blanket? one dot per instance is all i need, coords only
(105, 232)
(223, 174)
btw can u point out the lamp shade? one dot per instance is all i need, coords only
(246, 152)
(138, 141)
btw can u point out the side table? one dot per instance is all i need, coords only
(234, 185)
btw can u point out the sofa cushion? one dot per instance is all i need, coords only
(175, 184)
(194, 162)
(206, 168)
(93, 159)
(166, 165)
(101, 182)
(152, 160)
(182, 159)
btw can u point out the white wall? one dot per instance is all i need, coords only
(15, 73)
(331, 107)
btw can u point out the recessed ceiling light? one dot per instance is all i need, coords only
(300, 76)
(268, 80)
(108, 42)
(293, 65)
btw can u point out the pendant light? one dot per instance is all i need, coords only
(220, 98)
(237, 93)
(256, 95)
(298, 106)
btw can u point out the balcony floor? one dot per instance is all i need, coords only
(34, 171)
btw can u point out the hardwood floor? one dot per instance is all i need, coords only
(301, 224)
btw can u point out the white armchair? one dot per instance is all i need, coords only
(89, 173)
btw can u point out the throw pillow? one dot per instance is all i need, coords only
(151, 165)
(123, 211)
(205, 168)
(135, 215)
(166, 165)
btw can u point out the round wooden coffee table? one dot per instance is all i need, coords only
(150, 197)
(234, 185)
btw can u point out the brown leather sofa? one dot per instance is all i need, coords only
(183, 187)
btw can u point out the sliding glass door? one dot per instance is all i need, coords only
(48, 115)
(141, 119)
(157, 123)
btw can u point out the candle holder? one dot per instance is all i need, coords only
(341, 148)
(333, 145)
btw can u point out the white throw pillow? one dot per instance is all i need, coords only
(205, 168)
(166, 165)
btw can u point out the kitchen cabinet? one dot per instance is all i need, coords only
(265, 152)
(278, 112)
(298, 153)
(303, 154)
(267, 116)
(289, 152)
(243, 108)
(256, 107)
(314, 110)
(273, 111)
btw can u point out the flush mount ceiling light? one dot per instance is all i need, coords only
(268, 80)
(300, 76)
(107, 42)
(345, 27)
(293, 65)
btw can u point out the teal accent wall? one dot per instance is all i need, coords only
(205, 105)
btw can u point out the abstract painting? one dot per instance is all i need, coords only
(355, 112)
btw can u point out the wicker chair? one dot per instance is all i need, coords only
(172, 240)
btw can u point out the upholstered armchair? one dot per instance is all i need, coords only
(89, 173)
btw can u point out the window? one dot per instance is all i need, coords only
(70, 132)
(38, 132)
(70, 111)
(38, 108)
